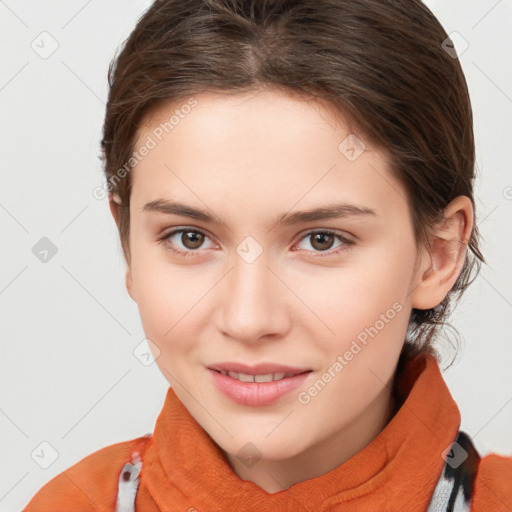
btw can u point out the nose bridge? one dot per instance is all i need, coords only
(250, 305)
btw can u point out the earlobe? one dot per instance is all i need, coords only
(442, 262)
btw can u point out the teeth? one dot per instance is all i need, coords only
(264, 378)
(245, 377)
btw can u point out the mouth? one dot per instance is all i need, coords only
(257, 385)
(264, 372)
(264, 377)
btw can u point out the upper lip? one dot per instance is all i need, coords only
(257, 369)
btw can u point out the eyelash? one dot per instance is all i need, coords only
(343, 248)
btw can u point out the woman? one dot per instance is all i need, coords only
(293, 187)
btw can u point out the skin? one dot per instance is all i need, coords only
(249, 158)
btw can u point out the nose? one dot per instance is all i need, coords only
(253, 305)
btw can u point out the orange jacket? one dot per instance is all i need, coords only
(182, 469)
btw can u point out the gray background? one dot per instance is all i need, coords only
(69, 376)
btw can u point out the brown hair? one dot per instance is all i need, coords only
(382, 64)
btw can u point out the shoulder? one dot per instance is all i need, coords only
(90, 484)
(493, 484)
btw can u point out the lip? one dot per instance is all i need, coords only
(257, 394)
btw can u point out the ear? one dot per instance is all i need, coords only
(441, 263)
(114, 202)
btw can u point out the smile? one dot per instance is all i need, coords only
(257, 385)
(245, 377)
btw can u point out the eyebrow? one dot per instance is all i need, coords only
(330, 211)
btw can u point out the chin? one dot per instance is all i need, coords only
(259, 447)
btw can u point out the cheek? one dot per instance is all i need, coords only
(366, 303)
(165, 294)
(173, 303)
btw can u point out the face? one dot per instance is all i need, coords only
(323, 299)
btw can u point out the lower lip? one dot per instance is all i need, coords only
(256, 393)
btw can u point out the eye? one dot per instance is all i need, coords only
(193, 239)
(190, 239)
(322, 241)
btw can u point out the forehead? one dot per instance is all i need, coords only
(263, 100)
(260, 147)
